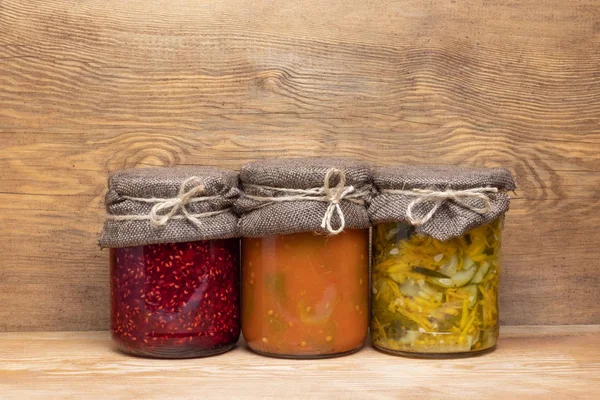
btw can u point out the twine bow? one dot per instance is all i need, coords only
(439, 197)
(173, 205)
(333, 195)
(166, 209)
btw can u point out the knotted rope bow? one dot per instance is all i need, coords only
(439, 197)
(166, 209)
(333, 195)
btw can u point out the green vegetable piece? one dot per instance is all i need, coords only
(473, 295)
(468, 263)
(481, 272)
(409, 288)
(461, 278)
(408, 338)
(275, 283)
(429, 272)
(449, 269)
(468, 239)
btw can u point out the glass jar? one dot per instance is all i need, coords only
(305, 295)
(176, 300)
(435, 298)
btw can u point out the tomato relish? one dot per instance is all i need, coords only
(305, 295)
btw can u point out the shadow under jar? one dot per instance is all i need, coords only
(174, 261)
(304, 262)
(436, 259)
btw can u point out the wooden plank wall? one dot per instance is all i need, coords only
(89, 87)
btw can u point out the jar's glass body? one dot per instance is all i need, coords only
(305, 295)
(176, 300)
(434, 298)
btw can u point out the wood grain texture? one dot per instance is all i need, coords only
(530, 362)
(91, 87)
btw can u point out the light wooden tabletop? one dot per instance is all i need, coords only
(530, 362)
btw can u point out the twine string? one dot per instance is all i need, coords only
(164, 210)
(333, 195)
(459, 197)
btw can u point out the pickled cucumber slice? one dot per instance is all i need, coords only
(450, 268)
(468, 263)
(461, 278)
(473, 294)
(481, 272)
(409, 288)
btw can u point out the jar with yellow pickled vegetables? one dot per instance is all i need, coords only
(305, 254)
(436, 259)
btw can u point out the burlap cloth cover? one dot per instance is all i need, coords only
(463, 198)
(132, 194)
(265, 179)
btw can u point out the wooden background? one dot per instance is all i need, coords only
(89, 87)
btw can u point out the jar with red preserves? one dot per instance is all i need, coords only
(174, 261)
(305, 254)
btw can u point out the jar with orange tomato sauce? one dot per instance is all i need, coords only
(305, 255)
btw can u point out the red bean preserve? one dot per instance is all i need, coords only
(176, 300)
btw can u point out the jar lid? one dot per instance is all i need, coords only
(324, 195)
(440, 201)
(169, 205)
